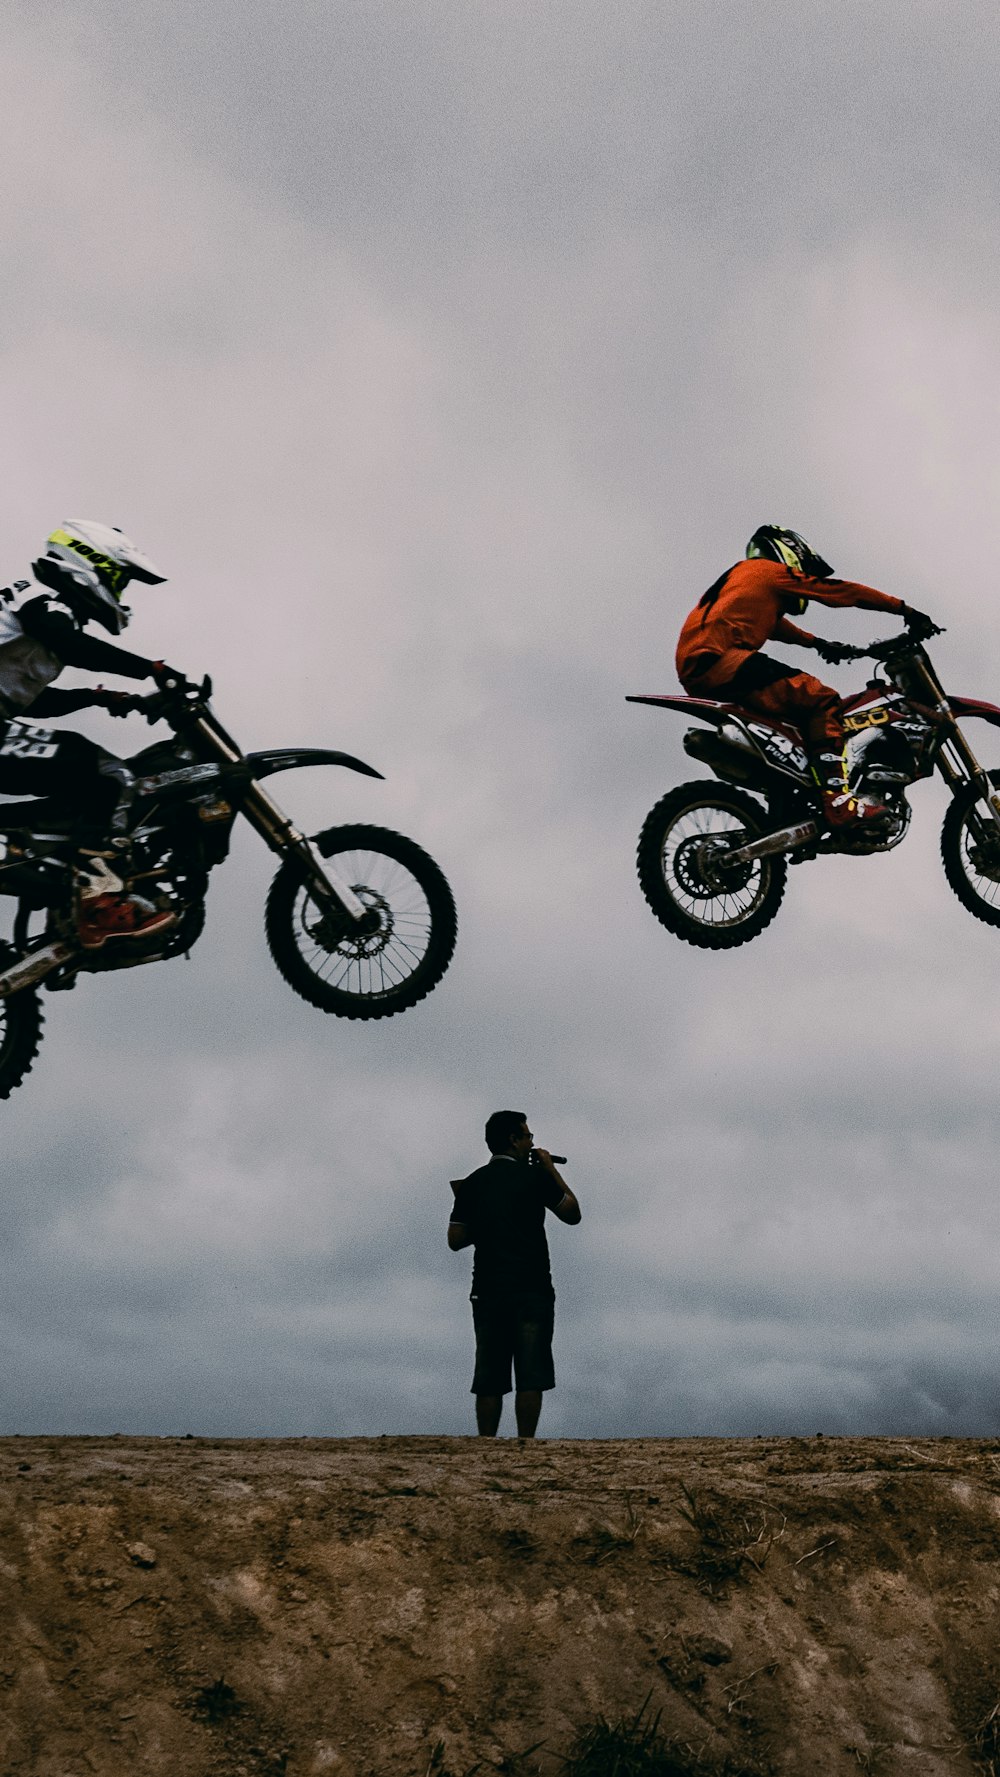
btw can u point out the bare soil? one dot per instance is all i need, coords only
(421, 1606)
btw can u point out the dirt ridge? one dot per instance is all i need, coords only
(358, 1607)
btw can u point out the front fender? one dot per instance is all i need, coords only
(273, 759)
(971, 706)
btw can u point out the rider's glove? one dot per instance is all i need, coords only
(832, 652)
(167, 676)
(920, 626)
(117, 703)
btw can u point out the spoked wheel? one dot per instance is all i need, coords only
(970, 853)
(20, 1031)
(395, 957)
(682, 855)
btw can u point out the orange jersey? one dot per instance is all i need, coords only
(746, 608)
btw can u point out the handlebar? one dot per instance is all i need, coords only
(893, 648)
(173, 693)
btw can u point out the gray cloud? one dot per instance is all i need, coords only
(442, 361)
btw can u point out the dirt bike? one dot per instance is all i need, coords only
(359, 920)
(713, 860)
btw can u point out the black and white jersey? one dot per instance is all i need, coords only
(39, 638)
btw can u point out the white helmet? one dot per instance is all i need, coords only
(88, 566)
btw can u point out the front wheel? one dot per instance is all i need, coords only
(970, 853)
(395, 957)
(683, 871)
(20, 1032)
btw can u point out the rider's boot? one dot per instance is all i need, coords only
(106, 911)
(120, 916)
(840, 807)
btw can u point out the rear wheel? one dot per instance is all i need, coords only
(970, 853)
(682, 866)
(387, 963)
(20, 1030)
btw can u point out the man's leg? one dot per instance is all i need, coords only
(104, 786)
(816, 710)
(778, 691)
(37, 761)
(772, 688)
(74, 770)
(533, 1368)
(492, 1378)
(527, 1406)
(488, 1410)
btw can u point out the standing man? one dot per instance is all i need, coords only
(500, 1210)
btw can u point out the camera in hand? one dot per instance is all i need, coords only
(557, 1159)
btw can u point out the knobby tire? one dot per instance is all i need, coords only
(382, 999)
(658, 826)
(985, 906)
(21, 1021)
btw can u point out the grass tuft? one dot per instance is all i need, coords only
(632, 1747)
(984, 1743)
(731, 1539)
(218, 1701)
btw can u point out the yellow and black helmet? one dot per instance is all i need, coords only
(88, 566)
(774, 543)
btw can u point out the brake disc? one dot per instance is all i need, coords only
(365, 938)
(985, 859)
(701, 868)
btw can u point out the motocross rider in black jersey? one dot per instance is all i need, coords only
(85, 569)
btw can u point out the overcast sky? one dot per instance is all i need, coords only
(442, 353)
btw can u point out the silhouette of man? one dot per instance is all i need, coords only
(500, 1211)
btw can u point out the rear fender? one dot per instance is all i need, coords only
(703, 709)
(721, 714)
(274, 759)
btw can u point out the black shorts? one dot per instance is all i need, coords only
(513, 1327)
(756, 673)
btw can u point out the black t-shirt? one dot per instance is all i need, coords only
(503, 1206)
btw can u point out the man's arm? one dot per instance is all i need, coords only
(459, 1232)
(786, 631)
(56, 702)
(458, 1236)
(849, 594)
(57, 632)
(567, 1209)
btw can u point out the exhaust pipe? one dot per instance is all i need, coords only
(33, 967)
(786, 839)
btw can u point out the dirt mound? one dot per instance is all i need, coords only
(428, 1605)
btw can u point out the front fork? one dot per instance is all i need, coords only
(954, 776)
(327, 887)
(956, 760)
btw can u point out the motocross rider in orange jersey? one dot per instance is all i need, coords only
(84, 570)
(718, 651)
